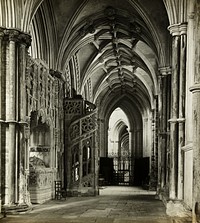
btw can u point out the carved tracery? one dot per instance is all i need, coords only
(81, 153)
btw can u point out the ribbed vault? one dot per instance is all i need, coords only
(114, 51)
(108, 51)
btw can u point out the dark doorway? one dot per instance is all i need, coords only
(141, 171)
(106, 170)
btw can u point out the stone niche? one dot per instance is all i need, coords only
(41, 172)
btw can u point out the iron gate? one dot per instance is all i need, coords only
(123, 170)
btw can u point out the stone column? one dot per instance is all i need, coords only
(164, 71)
(195, 89)
(67, 158)
(177, 121)
(81, 165)
(153, 180)
(145, 136)
(164, 132)
(196, 148)
(168, 113)
(156, 139)
(22, 164)
(174, 112)
(1, 118)
(25, 41)
(131, 151)
(181, 116)
(11, 119)
(160, 130)
(102, 141)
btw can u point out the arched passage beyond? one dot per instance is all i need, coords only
(123, 143)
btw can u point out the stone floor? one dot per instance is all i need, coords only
(114, 205)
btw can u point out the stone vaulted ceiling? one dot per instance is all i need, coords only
(110, 50)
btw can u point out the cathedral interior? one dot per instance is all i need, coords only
(100, 92)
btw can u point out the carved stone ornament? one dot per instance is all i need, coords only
(73, 107)
(135, 28)
(25, 39)
(110, 12)
(16, 36)
(1, 33)
(13, 35)
(87, 28)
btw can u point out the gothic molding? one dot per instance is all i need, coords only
(1, 33)
(164, 71)
(15, 35)
(55, 73)
(181, 120)
(25, 39)
(110, 13)
(87, 28)
(188, 147)
(178, 29)
(173, 120)
(195, 88)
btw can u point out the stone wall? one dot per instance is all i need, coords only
(28, 87)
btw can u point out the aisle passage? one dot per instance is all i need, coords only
(114, 205)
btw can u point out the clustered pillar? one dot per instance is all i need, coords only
(13, 45)
(164, 108)
(1, 118)
(177, 120)
(195, 89)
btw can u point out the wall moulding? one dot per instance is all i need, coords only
(187, 147)
(15, 35)
(195, 88)
(178, 29)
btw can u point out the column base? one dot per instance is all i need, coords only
(15, 209)
(176, 208)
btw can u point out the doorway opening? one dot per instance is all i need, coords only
(125, 163)
(117, 168)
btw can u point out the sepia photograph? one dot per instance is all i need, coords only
(99, 111)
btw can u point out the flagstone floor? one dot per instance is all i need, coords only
(114, 205)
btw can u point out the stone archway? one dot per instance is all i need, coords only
(139, 134)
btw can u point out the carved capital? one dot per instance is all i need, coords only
(174, 30)
(164, 71)
(178, 29)
(1, 32)
(183, 28)
(13, 35)
(25, 39)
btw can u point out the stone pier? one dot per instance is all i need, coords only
(14, 44)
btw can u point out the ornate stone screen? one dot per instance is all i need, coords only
(81, 153)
